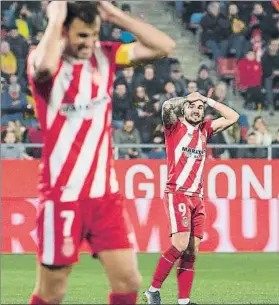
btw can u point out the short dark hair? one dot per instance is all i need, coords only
(126, 7)
(251, 134)
(87, 11)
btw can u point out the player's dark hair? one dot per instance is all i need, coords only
(87, 11)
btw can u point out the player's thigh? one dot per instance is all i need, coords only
(198, 218)
(51, 282)
(180, 240)
(109, 228)
(121, 269)
(59, 233)
(178, 208)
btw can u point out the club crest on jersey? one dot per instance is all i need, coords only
(185, 222)
(83, 111)
(68, 247)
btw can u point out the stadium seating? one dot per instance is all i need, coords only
(22, 34)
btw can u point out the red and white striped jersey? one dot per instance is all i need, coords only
(186, 154)
(74, 111)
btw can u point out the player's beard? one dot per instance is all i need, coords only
(194, 122)
(79, 52)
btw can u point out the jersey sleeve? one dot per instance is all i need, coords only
(40, 89)
(120, 54)
(168, 130)
(208, 128)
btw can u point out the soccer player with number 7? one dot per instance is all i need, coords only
(71, 73)
(186, 135)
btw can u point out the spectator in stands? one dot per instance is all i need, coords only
(8, 60)
(11, 151)
(39, 18)
(158, 152)
(275, 29)
(237, 23)
(13, 104)
(216, 31)
(121, 104)
(13, 79)
(250, 71)
(3, 85)
(275, 150)
(257, 44)
(19, 16)
(128, 135)
(3, 31)
(221, 92)
(140, 101)
(20, 49)
(179, 81)
(192, 87)
(232, 135)
(250, 80)
(12, 127)
(169, 92)
(129, 76)
(262, 21)
(116, 34)
(150, 83)
(237, 41)
(270, 67)
(260, 129)
(252, 153)
(145, 110)
(204, 83)
(127, 37)
(158, 138)
(24, 22)
(20, 131)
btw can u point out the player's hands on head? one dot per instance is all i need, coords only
(196, 96)
(107, 10)
(57, 12)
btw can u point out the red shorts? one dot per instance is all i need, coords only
(186, 213)
(62, 226)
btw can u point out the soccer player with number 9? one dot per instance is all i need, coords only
(186, 135)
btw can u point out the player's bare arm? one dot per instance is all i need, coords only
(45, 59)
(151, 42)
(172, 110)
(229, 116)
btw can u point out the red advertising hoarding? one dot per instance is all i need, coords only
(242, 205)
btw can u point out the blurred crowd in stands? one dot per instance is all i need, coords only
(243, 39)
(245, 33)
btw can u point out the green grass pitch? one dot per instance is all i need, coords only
(220, 279)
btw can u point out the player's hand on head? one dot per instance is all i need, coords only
(107, 10)
(195, 96)
(57, 11)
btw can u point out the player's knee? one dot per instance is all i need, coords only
(52, 285)
(128, 281)
(192, 252)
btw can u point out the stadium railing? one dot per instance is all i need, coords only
(152, 146)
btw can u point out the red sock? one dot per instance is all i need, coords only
(164, 266)
(37, 301)
(185, 275)
(123, 298)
